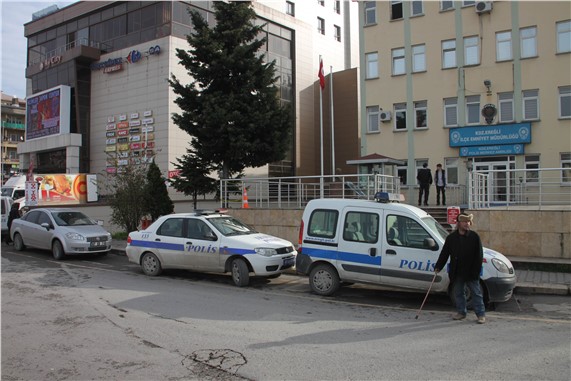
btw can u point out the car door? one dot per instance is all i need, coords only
(358, 255)
(170, 242)
(42, 235)
(201, 246)
(407, 261)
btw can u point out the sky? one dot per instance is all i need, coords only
(13, 16)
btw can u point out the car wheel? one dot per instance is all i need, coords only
(240, 272)
(151, 264)
(324, 280)
(18, 242)
(57, 250)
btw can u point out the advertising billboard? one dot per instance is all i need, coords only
(48, 113)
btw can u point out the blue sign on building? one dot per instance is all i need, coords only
(517, 133)
(506, 149)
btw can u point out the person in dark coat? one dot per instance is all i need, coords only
(424, 178)
(440, 182)
(464, 248)
(14, 213)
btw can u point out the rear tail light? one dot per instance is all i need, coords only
(300, 237)
(128, 240)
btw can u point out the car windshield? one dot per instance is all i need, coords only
(229, 226)
(435, 227)
(72, 219)
(7, 191)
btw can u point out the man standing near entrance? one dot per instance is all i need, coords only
(424, 178)
(440, 181)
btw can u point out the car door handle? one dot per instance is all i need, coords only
(157, 239)
(391, 252)
(189, 243)
(373, 252)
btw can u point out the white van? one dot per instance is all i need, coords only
(15, 187)
(388, 244)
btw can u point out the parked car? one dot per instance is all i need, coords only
(64, 231)
(6, 204)
(209, 242)
(384, 243)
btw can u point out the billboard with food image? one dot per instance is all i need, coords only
(62, 189)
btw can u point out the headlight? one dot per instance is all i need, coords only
(266, 252)
(500, 266)
(74, 236)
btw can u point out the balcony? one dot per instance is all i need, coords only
(14, 126)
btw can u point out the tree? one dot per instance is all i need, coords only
(193, 179)
(231, 107)
(157, 200)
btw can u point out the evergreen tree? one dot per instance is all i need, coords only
(157, 200)
(231, 108)
(193, 179)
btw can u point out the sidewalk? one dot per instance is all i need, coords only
(528, 281)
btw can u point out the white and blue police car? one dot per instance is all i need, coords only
(209, 241)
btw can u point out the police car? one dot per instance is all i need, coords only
(209, 241)
(389, 244)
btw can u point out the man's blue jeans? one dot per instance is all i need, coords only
(477, 298)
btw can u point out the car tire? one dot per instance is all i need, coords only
(57, 250)
(324, 280)
(18, 242)
(151, 265)
(240, 272)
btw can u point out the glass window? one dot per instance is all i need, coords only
(197, 229)
(43, 218)
(337, 6)
(372, 60)
(373, 119)
(323, 223)
(528, 37)
(504, 46)
(530, 100)
(473, 109)
(531, 168)
(406, 232)
(400, 116)
(402, 171)
(398, 61)
(564, 37)
(418, 58)
(450, 112)
(565, 102)
(321, 2)
(448, 54)
(506, 105)
(451, 166)
(420, 114)
(290, 8)
(361, 227)
(471, 50)
(321, 25)
(417, 8)
(370, 12)
(445, 5)
(171, 227)
(396, 9)
(337, 32)
(467, 3)
(566, 165)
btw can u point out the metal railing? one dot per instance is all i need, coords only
(520, 187)
(295, 192)
(70, 45)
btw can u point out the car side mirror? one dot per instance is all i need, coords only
(46, 226)
(429, 243)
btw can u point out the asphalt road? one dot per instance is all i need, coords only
(101, 318)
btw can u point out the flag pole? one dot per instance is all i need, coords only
(321, 85)
(332, 122)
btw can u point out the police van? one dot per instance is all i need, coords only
(383, 243)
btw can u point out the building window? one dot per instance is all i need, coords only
(471, 50)
(530, 99)
(320, 25)
(396, 9)
(337, 6)
(417, 8)
(370, 12)
(473, 109)
(398, 61)
(420, 114)
(290, 8)
(564, 37)
(451, 112)
(372, 60)
(321, 2)
(337, 33)
(504, 46)
(467, 3)
(418, 58)
(565, 102)
(373, 119)
(400, 116)
(531, 169)
(402, 171)
(506, 106)
(451, 166)
(448, 54)
(528, 41)
(446, 5)
(566, 165)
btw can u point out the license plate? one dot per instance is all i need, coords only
(97, 244)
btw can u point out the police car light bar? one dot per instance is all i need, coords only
(385, 197)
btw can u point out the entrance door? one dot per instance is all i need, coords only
(497, 186)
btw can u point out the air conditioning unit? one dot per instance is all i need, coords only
(483, 6)
(385, 116)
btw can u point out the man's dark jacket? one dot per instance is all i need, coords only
(466, 256)
(424, 176)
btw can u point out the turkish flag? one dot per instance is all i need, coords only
(321, 75)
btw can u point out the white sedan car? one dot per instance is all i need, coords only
(61, 230)
(209, 242)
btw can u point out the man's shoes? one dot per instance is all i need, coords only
(458, 317)
(481, 319)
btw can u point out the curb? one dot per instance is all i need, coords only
(543, 288)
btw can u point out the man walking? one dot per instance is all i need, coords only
(464, 248)
(440, 182)
(424, 178)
